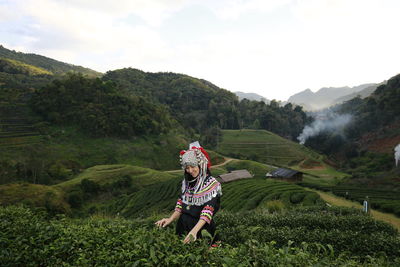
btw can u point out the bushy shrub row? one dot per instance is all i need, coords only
(28, 239)
(251, 193)
(349, 231)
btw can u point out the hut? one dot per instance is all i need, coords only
(287, 175)
(234, 175)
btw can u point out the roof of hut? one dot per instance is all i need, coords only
(235, 175)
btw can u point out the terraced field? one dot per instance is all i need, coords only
(249, 194)
(16, 128)
(265, 147)
(241, 195)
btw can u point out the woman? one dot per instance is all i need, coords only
(200, 197)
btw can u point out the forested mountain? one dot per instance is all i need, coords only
(195, 103)
(51, 65)
(202, 106)
(366, 146)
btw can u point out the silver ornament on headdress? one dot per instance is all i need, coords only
(193, 157)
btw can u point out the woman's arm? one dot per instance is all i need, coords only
(194, 231)
(206, 216)
(166, 221)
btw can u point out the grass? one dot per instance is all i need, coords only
(339, 201)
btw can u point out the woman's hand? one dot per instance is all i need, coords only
(163, 222)
(191, 237)
(166, 221)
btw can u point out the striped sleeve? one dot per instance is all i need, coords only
(178, 206)
(207, 213)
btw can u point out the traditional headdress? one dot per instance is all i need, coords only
(206, 187)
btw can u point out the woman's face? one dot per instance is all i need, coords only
(193, 171)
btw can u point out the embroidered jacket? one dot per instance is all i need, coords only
(202, 204)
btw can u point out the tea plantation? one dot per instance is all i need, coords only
(242, 195)
(307, 237)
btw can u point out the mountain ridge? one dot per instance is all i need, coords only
(52, 65)
(325, 96)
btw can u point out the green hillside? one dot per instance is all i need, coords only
(205, 108)
(42, 62)
(265, 147)
(106, 175)
(62, 152)
(92, 189)
(14, 66)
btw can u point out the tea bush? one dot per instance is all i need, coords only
(350, 231)
(27, 238)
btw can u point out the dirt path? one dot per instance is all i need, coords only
(339, 201)
(227, 160)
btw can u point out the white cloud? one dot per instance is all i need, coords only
(299, 44)
(233, 9)
(71, 32)
(152, 12)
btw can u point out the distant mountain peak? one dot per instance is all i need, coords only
(251, 96)
(324, 97)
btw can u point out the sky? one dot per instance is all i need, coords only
(274, 48)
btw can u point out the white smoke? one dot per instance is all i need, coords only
(331, 121)
(397, 154)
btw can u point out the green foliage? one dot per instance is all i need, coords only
(89, 186)
(28, 238)
(272, 206)
(194, 103)
(98, 109)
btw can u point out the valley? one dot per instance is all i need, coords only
(89, 161)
